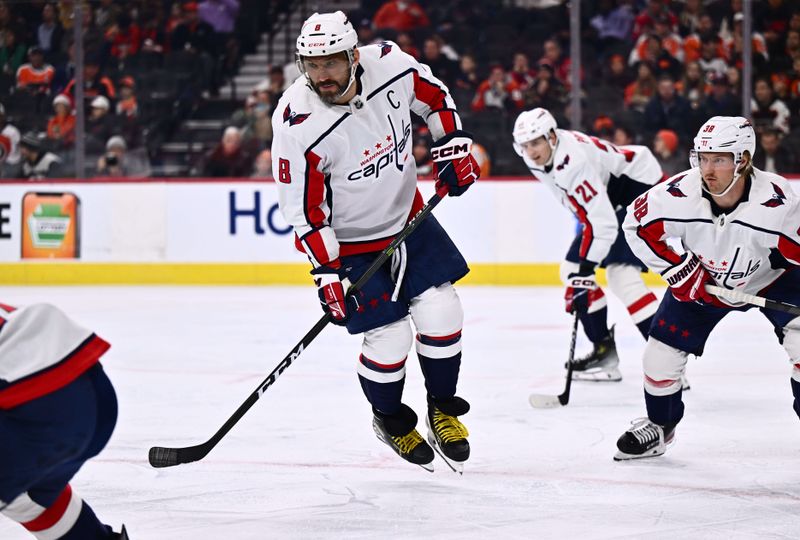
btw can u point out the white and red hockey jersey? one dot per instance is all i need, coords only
(346, 176)
(41, 351)
(745, 249)
(594, 178)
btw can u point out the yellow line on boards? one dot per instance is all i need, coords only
(79, 273)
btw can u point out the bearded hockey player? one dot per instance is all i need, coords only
(595, 180)
(738, 229)
(347, 184)
(57, 410)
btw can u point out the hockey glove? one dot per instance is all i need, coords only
(453, 163)
(332, 287)
(579, 285)
(687, 281)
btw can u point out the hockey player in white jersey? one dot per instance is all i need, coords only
(57, 410)
(347, 184)
(596, 181)
(738, 227)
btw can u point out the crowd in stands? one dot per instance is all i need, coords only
(652, 71)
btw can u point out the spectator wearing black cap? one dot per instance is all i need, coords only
(37, 163)
(36, 76)
(721, 101)
(94, 82)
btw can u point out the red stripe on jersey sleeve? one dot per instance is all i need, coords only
(448, 120)
(790, 250)
(315, 191)
(6, 307)
(59, 376)
(430, 94)
(588, 232)
(652, 233)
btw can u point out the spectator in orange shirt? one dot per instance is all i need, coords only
(94, 83)
(401, 15)
(639, 92)
(61, 127)
(127, 106)
(498, 92)
(35, 76)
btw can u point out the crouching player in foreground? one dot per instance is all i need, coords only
(57, 410)
(596, 181)
(347, 184)
(738, 227)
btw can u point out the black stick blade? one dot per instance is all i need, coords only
(163, 457)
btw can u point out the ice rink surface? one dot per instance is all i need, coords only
(304, 462)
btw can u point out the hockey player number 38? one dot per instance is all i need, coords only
(640, 208)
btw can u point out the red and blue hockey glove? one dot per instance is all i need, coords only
(453, 163)
(332, 288)
(579, 285)
(687, 280)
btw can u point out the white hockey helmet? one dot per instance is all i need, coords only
(326, 33)
(731, 134)
(530, 125)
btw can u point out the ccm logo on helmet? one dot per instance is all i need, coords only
(458, 148)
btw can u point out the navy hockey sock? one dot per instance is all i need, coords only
(796, 393)
(88, 527)
(595, 324)
(644, 327)
(664, 410)
(440, 359)
(382, 383)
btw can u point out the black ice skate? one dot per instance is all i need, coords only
(121, 535)
(446, 433)
(600, 365)
(399, 433)
(644, 439)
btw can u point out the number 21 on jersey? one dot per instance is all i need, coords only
(586, 191)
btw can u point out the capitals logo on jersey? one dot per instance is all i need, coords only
(777, 198)
(673, 189)
(563, 164)
(294, 118)
(386, 48)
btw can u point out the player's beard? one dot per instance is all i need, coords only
(329, 95)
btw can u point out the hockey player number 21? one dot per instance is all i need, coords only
(284, 176)
(586, 191)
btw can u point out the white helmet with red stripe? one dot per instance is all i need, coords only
(727, 134)
(530, 125)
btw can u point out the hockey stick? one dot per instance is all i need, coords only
(160, 456)
(546, 401)
(760, 301)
